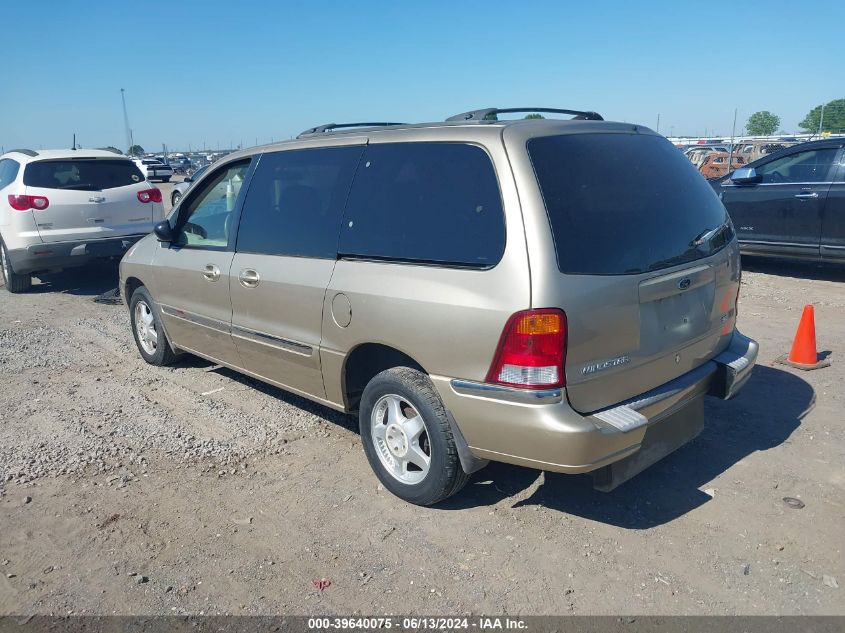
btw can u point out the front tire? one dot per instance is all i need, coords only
(167, 179)
(15, 283)
(175, 198)
(408, 439)
(147, 329)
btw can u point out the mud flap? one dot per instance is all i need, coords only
(469, 462)
(661, 438)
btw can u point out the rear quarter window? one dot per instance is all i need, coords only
(8, 171)
(435, 203)
(82, 174)
(624, 203)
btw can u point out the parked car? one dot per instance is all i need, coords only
(61, 208)
(704, 148)
(180, 188)
(558, 294)
(716, 164)
(154, 169)
(178, 163)
(791, 203)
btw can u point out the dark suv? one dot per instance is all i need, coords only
(791, 203)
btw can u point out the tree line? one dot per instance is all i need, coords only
(829, 117)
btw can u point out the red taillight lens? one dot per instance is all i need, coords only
(532, 350)
(150, 195)
(25, 203)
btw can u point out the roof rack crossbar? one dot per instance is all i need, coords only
(484, 113)
(28, 152)
(335, 126)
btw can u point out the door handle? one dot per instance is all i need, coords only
(806, 196)
(211, 272)
(96, 199)
(249, 278)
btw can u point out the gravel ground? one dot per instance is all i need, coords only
(136, 490)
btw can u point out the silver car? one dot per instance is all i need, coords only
(558, 294)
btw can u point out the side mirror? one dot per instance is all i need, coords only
(745, 176)
(188, 179)
(163, 231)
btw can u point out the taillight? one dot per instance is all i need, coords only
(25, 203)
(150, 195)
(532, 350)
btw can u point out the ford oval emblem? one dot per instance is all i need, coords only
(684, 283)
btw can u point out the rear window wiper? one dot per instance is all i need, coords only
(81, 186)
(706, 236)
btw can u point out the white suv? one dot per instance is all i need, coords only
(62, 208)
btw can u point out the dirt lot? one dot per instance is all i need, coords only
(134, 490)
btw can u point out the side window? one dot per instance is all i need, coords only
(207, 219)
(425, 202)
(295, 202)
(8, 171)
(809, 166)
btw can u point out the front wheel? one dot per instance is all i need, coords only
(147, 329)
(166, 179)
(408, 439)
(175, 198)
(15, 283)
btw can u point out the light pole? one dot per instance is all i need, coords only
(126, 122)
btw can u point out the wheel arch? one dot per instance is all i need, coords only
(366, 360)
(131, 285)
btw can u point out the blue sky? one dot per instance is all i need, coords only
(235, 72)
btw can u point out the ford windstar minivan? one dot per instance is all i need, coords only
(559, 294)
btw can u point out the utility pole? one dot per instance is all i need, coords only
(126, 122)
(658, 123)
(731, 148)
(821, 121)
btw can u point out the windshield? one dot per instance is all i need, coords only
(625, 203)
(94, 174)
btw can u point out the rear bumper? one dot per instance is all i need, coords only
(52, 255)
(540, 429)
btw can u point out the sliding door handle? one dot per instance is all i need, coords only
(806, 196)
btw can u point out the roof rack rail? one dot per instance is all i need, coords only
(488, 114)
(328, 127)
(28, 152)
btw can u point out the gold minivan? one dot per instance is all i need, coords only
(554, 293)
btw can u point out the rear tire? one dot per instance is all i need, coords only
(15, 283)
(408, 439)
(165, 179)
(145, 316)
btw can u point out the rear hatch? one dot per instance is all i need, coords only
(647, 263)
(90, 198)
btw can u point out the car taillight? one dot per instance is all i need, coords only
(532, 350)
(25, 203)
(150, 195)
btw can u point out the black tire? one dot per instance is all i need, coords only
(445, 476)
(162, 354)
(175, 198)
(165, 179)
(14, 282)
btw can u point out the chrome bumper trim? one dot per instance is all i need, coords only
(735, 366)
(508, 394)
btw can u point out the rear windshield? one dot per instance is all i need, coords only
(82, 174)
(625, 203)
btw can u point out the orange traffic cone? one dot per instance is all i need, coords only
(803, 354)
